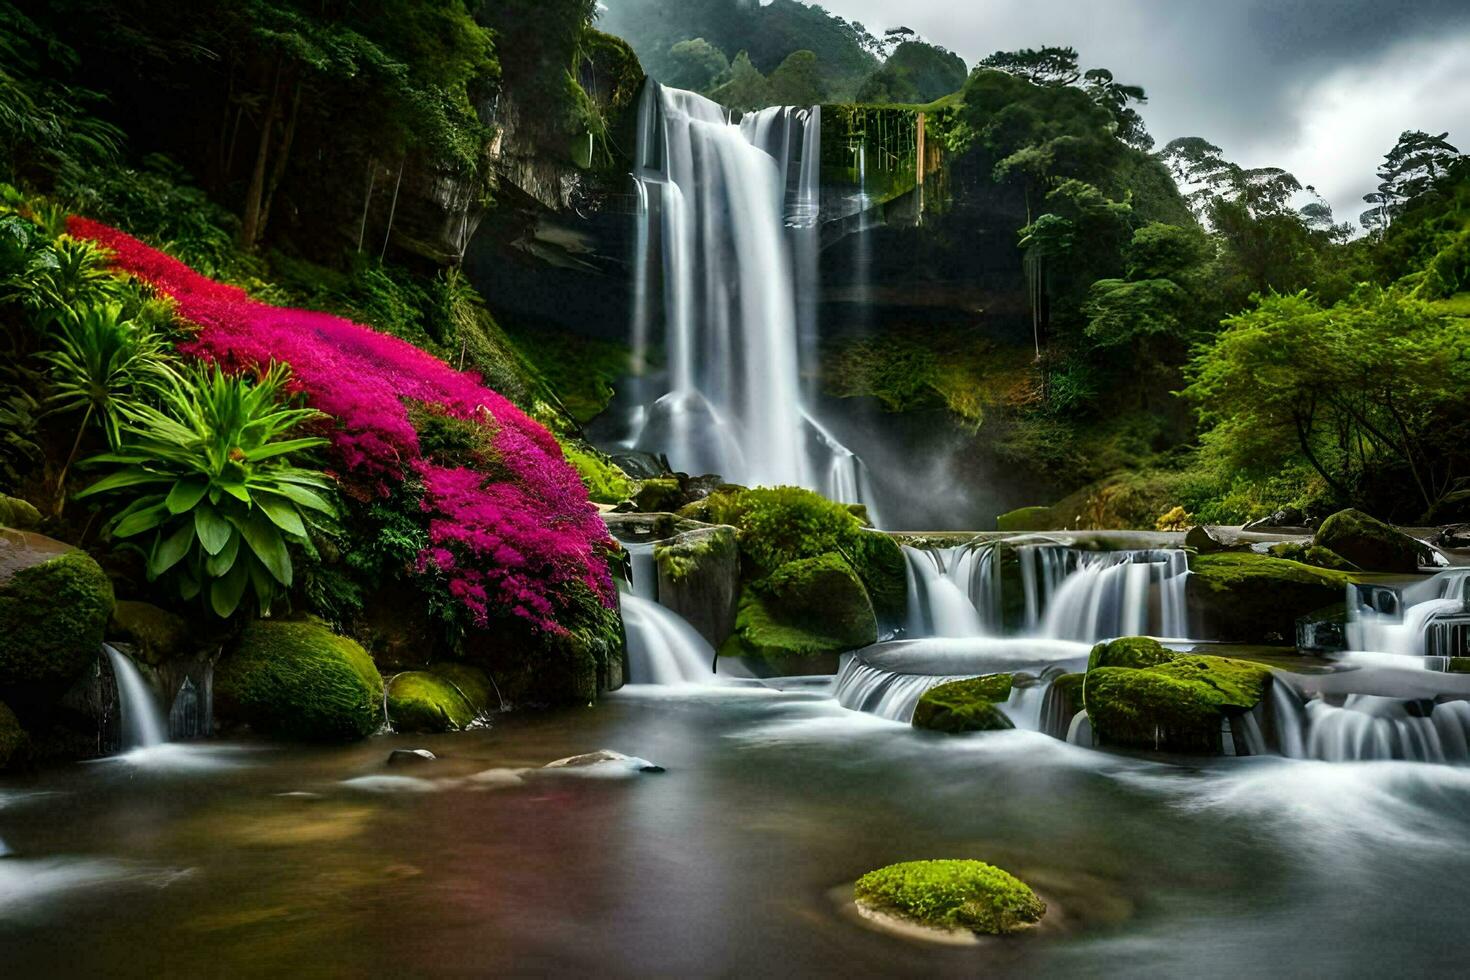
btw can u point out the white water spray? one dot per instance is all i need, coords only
(143, 724)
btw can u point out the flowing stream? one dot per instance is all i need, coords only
(143, 723)
(663, 648)
(727, 260)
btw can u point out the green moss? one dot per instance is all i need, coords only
(419, 701)
(1251, 598)
(807, 607)
(1129, 651)
(605, 482)
(580, 369)
(682, 557)
(878, 561)
(1068, 687)
(1174, 705)
(52, 618)
(15, 744)
(965, 706)
(659, 493)
(18, 513)
(299, 680)
(952, 895)
(1369, 543)
(156, 634)
(473, 684)
(1026, 519)
(1312, 554)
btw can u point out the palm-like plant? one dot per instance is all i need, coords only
(104, 364)
(69, 273)
(221, 498)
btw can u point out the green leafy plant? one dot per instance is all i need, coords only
(220, 496)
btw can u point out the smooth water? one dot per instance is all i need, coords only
(143, 723)
(727, 232)
(301, 861)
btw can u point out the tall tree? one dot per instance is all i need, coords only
(1408, 170)
(1044, 66)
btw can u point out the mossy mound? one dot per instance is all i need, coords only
(1026, 519)
(1370, 544)
(1135, 652)
(300, 680)
(605, 481)
(1312, 554)
(15, 744)
(473, 684)
(659, 493)
(807, 607)
(419, 701)
(965, 706)
(1175, 705)
(1250, 598)
(18, 513)
(156, 634)
(952, 895)
(54, 606)
(699, 578)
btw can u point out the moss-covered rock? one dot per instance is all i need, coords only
(54, 606)
(951, 895)
(1250, 598)
(1129, 651)
(534, 667)
(419, 701)
(1174, 705)
(299, 680)
(658, 493)
(155, 634)
(606, 483)
(1311, 554)
(473, 684)
(965, 706)
(19, 514)
(1370, 544)
(1026, 519)
(699, 578)
(807, 607)
(15, 744)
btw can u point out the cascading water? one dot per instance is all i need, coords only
(1427, 618)
(1370, 727)
(143, 724)
(1066, 594)
(662, 647)
(730, 210)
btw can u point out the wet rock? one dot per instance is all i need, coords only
(473, 684)
(54, 606)
(19, 514)
(699, 578)
(947, 895)
(1454, 536)
(587, 759)
(1250, 598)
(965, 706)
(409, 757)
(419, 701)
(1371, 544)
(808, 607)
(156, 634)
(1287, 517)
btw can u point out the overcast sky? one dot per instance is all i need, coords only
(1320, 87)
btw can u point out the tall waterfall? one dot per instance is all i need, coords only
(143, 724)
(727, 254)
(1064, 593)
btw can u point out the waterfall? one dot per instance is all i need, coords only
(662, 647)
(1370, 727)
(730, 212)
(143, 724)
(1429, 617)
(1067, 594)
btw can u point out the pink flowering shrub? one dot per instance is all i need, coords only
(516, 541)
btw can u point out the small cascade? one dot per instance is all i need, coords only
(727, 231)
(1370, 727)
(1067, 593)
(143, 724)
(662, 647)
(1427, 618)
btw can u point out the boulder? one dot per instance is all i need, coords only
(1454, 536)
(1176, 705)
(699, 578)
(1027, 519)
(299, 680)
(1311, 554)
(949, 895)
(1250, 598)
(1287, 517)
(419, 701)
(15, 744)
(1371, 544)
(965, 706)
(156, 634)
(473, 684)
(1206, 540)
(19, 514)
(410, 757)
(807, 607)
(1134, 652)
(54, 606)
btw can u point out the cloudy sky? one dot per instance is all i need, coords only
(1320, 87)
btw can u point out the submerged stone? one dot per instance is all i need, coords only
(299, 680)
(1371, 544)
(419, 701)
(965, 706)
(54, 605)
(951, 895)
(403, 757)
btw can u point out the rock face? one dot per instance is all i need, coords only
(1371, 544)
(419, 701)
(156, 634)
(299, 680)
(1168, 702)
(1250, 598)
(807, 607)
(54, 606)
(951, 895)
(965, 706)
(699, 578)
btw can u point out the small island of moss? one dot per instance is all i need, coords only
(950, 895)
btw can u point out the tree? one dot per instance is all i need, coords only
(747, 88)
(1117, 98)
(1043, 66)
(798, 81)
(915, 73)
(697, 65)
(1409, 170)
